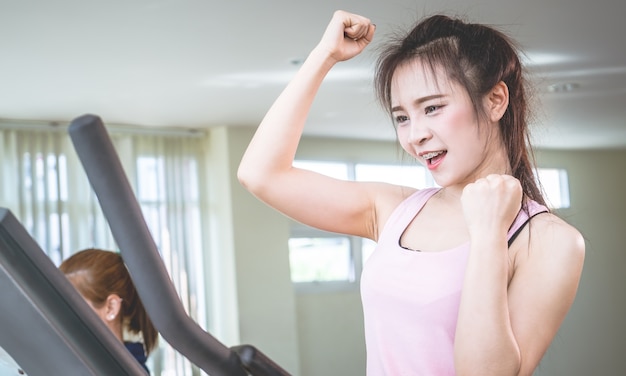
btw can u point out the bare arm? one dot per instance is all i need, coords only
(544, 286)
(266, 168)
(510, 312)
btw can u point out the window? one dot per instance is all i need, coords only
(46, 188)
(337, 170)
(555, 185)
(410, 176)
(318, 258)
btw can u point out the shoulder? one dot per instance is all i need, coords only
(551, 243)
(548, 230)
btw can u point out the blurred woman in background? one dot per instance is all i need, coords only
(101, 277)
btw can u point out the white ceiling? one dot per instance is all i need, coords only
(194, 63)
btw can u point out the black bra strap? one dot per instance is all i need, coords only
(521, 227)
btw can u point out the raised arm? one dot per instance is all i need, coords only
(266, 168)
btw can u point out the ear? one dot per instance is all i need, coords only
(112, 306)
(497, 101)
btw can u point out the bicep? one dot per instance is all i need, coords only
(543, 289)
(326, 203)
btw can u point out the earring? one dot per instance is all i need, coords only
(111, 316)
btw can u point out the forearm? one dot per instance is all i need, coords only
(275, 142)
(484, 342)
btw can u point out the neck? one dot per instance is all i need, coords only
(450, 197)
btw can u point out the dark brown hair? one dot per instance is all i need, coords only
(99, 273)
(477, 57)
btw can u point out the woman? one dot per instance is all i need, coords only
(102, 279)
(444, 293)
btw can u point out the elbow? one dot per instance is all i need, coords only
(252, 178)
(246, 177)
(263, 179)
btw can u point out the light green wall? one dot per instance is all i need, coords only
(264, 294)
(592, 340)
(330, 324)
(321, 334)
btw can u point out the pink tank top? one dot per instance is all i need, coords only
(411, 299)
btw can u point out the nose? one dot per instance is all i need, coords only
(419, 133)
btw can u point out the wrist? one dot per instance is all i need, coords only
(320, 55)
(488, 240)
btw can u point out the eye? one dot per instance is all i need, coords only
(430, 109)
(400, 119)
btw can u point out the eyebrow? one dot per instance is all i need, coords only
(420, 101)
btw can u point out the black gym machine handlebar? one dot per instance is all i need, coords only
(139, 251)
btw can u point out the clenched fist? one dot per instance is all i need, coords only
(491, 203)
(346, 35)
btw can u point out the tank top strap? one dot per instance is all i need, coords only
(523, 217)
(404, 213)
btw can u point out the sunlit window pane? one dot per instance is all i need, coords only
(333, 169)
(410, 176)
(555, 186)
(320, 259)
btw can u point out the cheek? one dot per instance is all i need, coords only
(99, 311)
(464, 129)
(462, 121)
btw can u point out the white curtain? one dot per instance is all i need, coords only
(44, 185)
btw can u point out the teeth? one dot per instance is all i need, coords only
(431, 154)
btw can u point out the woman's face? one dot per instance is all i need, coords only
(436, 124)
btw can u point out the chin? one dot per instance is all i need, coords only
(441, 182)
(445, 181)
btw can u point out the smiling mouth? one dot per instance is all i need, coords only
(432, 154)
(432, 157)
